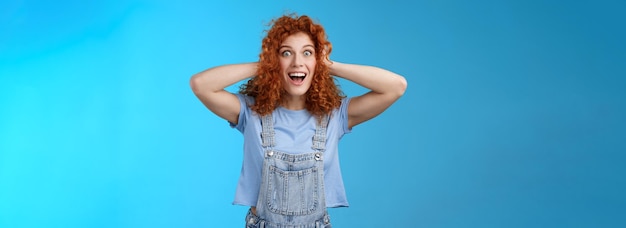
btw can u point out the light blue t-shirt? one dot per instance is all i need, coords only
(294, 131)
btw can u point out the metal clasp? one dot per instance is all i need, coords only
(318, 156)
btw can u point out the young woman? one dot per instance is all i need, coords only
(292, 116)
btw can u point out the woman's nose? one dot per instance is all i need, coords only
(297, 61)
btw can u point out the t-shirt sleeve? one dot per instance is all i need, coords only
(244, 112)
(343, 115)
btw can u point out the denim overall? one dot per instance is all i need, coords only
(292, 188)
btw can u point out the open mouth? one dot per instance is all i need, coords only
(297, 77)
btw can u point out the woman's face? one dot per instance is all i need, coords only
(297, 63)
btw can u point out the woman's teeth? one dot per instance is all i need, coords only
(297, 76)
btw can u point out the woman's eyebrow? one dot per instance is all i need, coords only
(287, 46)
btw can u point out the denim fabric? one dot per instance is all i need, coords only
(293, 132)
(292, 185)
(254, 221)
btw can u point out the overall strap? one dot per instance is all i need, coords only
(319, 139)
(267, 133)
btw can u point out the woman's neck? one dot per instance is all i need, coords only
(294, 102)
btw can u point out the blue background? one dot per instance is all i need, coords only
(514, 115)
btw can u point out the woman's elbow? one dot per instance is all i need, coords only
(400, 86)
(195, 83)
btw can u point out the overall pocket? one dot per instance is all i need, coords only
(293, 192)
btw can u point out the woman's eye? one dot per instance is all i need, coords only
(286, 53)
(308, 53)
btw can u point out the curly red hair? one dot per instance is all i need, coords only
(322, 97)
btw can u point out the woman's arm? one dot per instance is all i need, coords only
(386, 87)
(209, 87)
